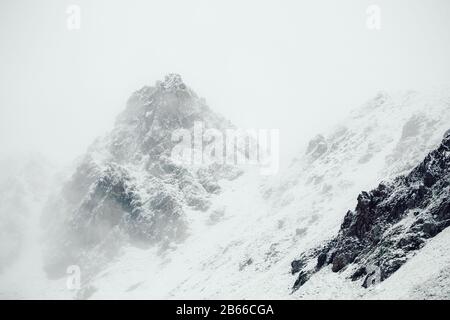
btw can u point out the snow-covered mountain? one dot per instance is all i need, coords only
(141, 225)
(265, 224)
(128, 189)
(304, 207)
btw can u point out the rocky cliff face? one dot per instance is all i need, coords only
(388, 225)
(128, 188)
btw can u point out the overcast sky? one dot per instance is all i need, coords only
(293, 65)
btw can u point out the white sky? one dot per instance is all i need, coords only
(293, 65)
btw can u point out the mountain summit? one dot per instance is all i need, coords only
(127, 188)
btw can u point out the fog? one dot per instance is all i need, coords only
(292, 65)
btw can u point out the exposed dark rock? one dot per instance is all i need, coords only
(301, 279)
(339, 262)
(362, 271)
(297, 265)
(321, 260)
(372, 277)
(317, 147)
(430, 229)
(245, 264)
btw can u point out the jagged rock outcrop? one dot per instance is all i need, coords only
(388, 225)
(317, 147)
(128, 187)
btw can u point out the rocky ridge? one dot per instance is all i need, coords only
(388, 225)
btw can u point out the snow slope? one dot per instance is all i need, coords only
(241, 244)
(425, 276)
(268, 223)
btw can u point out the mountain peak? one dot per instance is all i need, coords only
(172, 82)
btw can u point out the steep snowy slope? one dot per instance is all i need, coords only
(425, 276)
(263, 227)
(389, 225)
(387, 136)
(141, 225)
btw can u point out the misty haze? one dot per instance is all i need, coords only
(225, 149)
